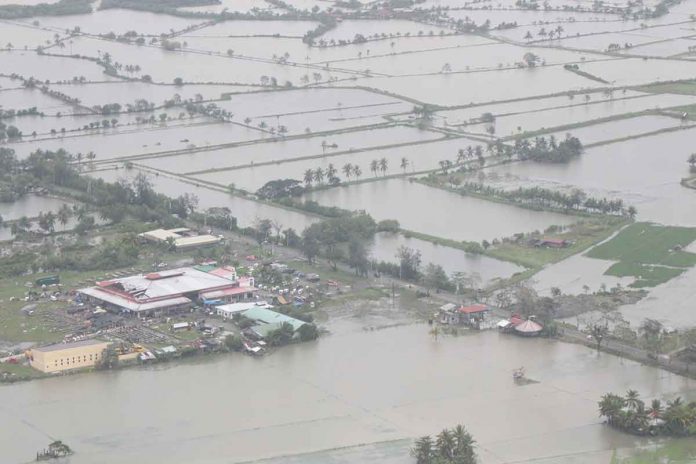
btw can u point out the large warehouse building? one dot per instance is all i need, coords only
(171, 290)
(66, 356)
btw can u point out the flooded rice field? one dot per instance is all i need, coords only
(127, 93)
(482, 269)
(129, 141)
(603, 132)
(652, 183)
(419, 157)
(406, 384)
(116, 20)
(454, 216)
(506, 126)
(276, 150)
(50, 68)
(22, 36)
(484, 86)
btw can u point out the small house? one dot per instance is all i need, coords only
(552, 243)
(448, 314)
(473, 315)
(463, 315)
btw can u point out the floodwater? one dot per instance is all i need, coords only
(483, 87)
(527, 122)
(419, 157)
(282, 150)
(644, 172)
(620, 128)
(50, 68)
(30, 206)
(375, 389)
(482, 269)
(438, 212)
(246, 211)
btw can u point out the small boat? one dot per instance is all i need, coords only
(518, 374)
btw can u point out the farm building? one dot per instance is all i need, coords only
(168, 291)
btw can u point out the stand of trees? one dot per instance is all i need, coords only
(156, 6)
(60, 8)
(629, 413)
(544, 198)
(455, 446)
(549, 150)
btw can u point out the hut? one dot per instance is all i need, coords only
(529, 328)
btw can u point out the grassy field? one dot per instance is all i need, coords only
(583, 235)
(683, 88)
(651, 253)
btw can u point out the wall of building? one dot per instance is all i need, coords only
(66, 359)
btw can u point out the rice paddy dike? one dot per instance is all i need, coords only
(417, 114)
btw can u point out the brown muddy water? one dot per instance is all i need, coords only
(352, 397)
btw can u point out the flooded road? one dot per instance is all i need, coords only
(377, 389)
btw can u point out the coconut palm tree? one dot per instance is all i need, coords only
(308, 177)
(633, 400)
(655, 411)
(383, 165)
(611, 407)
(445, 445)
(423, 450)
(374, 167)
(347, 170)
(464, 444)
(357, 172)
(331, 171)
(404, 164)
(319, 175)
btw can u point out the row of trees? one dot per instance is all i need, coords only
(539, 197)
(629, 413)
(330, 174)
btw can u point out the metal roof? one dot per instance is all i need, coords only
(266, 316)
(67, 346)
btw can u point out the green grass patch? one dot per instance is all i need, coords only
(647, 243)
(651, 253)
(682, 88)
(647, 275)
(15, 372)
(583, 235)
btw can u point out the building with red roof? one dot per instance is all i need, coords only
(170, 290)
(466, 315)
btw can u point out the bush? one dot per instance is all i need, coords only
(308, 332)
(234, 342)
(388, 225)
